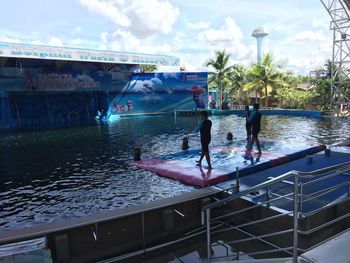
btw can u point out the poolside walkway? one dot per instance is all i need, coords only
(335, 250)
(319, 161)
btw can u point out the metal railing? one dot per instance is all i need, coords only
(293, 195)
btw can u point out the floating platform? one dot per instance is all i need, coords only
(181, 166)
(183, 113)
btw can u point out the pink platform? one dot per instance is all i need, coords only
(193, 175)
(186, 171)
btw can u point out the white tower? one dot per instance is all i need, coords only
(259, 34)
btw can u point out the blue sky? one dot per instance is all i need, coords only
(299, 35)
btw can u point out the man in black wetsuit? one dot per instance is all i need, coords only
(204, 128)
(248, 125)
(254, 120)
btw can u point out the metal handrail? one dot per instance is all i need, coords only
(297, 193)
(275, 180)
(250, 207)
(250, 190)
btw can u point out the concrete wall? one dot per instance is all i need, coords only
(304, 113)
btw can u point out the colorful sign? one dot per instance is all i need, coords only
(85, 55)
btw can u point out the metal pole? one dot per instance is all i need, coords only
(237, 178)
(268, 196)
(143, 233)
(208, 235)
(332, 69)
(301, 190)
(295, 219)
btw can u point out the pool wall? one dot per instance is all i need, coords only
(113, 233)
(305, 113)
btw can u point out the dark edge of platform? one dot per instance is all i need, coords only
(15, 235)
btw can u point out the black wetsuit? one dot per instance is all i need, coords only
(205, 135)
(248, 125)
(256, 123)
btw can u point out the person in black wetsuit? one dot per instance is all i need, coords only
(248, 125)
(204, 128)
(254, 120)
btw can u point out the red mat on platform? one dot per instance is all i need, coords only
(247, 162)
(193, 175)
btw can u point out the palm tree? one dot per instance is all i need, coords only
(264, 76)
(238, 78)
(147, 68)
(222, 72)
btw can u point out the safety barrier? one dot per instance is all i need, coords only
(281, 202)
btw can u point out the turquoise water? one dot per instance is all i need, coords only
(57, 174)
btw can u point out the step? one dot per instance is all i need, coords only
(335, 249)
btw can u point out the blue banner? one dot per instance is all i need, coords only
(162, 92)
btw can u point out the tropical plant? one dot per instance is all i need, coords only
(146, 68)
(222, 73)
(292, 98)
(264, 77)
(236, 84)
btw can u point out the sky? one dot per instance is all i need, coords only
(299, 35)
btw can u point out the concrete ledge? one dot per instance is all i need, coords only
(305, 113)
(41, 230)
(119, 232)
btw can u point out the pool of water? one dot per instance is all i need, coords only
(57, 174)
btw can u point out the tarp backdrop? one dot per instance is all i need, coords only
(162, 92)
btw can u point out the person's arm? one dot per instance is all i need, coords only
(199, 127)
(251, 117)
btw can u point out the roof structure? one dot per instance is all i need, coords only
(16, 50)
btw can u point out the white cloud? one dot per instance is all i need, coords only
(198, 25)
(226, 34)
(146, 86)
(310, 36)
(53, 41)
(305, 52)
(9, 40)
(76, 41)
(321, 23)
(142, 18)
(179, 40)
(121, 40)
(77, 28)
(109, 9)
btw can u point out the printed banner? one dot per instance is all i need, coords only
(162, 92)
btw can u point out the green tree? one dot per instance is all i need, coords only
(222, 72)
(292, 98)
(264, 77)
(147, 68)
(237, 81)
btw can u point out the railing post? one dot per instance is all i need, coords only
(295, 218)
(237, 178)
(300, 189)
(268, 196)
(208, 235)
(143, 233)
